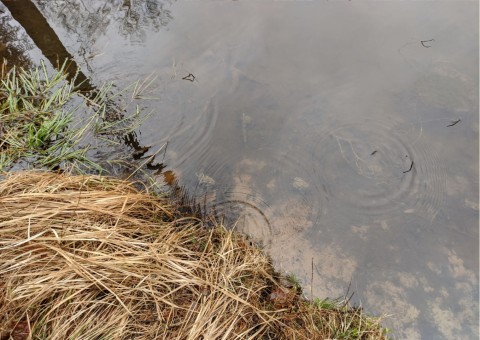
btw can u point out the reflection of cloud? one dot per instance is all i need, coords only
(448, 88)
(445, 320)
(291, 218)
(333, 269)
(451, 311)
(458, 269)
(334, 264)
(434, 267)
(468, 314)
(457, 185)
(388, 297)
(408, 280)
(456, 317)
(471, 204)
(361, 230)
(425, 285)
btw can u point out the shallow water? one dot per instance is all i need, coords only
(322, 129)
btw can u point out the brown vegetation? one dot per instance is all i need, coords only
(92, 257)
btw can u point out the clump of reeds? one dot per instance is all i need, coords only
(87, 257)
(48, 122)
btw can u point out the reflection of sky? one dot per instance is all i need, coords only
(290, 101)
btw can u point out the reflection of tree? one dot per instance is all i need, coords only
(14, 43)
(89, 19)
(86, 22)
(140, 14)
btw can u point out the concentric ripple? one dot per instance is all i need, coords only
(375, 168)
(294, 190)
(245, 210)
(181, 112)
(273, 193)
(190, 138)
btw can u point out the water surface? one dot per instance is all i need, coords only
(325, 130)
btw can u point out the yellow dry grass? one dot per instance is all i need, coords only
(87, 257)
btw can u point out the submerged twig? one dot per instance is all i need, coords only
(147, 161)
(165, 150)
(311, 283)
(347, 298)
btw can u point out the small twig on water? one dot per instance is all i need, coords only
(454, 122)
(190, 77)
(411, 167)
(426, 41)
(373, 153)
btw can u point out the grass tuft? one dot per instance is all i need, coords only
(92, 257)
(47, 122)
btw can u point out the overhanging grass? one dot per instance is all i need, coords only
(47, 122)
(94, 258)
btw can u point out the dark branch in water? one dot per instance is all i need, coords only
(373, 153)
(454, 122)
(426, 41)
(411, 167)
(190, 77)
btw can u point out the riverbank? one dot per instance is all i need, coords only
(87, 256)
(93, 257)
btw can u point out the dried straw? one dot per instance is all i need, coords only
(92, 257)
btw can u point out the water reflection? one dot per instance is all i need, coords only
(92, 19)
(322, 129)
(384, 168)
(14, 43)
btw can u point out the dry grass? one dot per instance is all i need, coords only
(94, 258)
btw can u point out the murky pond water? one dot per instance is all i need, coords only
(342, 135)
